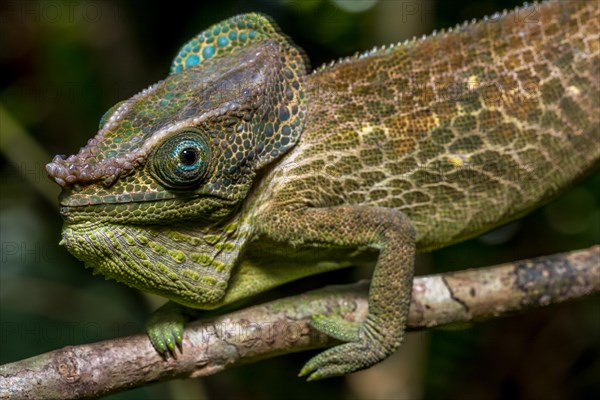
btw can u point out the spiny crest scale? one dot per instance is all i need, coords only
(436, 33)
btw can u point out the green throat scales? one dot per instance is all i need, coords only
(220, 181)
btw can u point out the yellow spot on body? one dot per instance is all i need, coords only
(458, 160)
(473, 82)
(573, 90)
(367, 130)
(513, 93)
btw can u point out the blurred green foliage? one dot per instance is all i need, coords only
(64, 63)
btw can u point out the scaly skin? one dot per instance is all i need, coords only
(220, 181)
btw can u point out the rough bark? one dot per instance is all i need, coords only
(282, 326)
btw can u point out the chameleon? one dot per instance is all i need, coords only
(242, 170)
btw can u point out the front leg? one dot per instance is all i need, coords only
(386, 230)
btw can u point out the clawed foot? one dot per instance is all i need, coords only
(165, 330)
(361, 352)
(339, 360)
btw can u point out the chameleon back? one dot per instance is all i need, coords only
(462, 131)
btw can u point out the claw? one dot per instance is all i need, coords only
(327, 365)
(344, 358)
(165, 330)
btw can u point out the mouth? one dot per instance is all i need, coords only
(68, 198)
(167, 208)
(131, 213)
(77, 206)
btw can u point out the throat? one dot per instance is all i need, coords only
(187, 264)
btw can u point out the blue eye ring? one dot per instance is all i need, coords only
(182, 161)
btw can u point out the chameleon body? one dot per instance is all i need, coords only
(221, 181)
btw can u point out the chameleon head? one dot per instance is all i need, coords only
(172, 164)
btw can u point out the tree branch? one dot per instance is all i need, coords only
(282, 327)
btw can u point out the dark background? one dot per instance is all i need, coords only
(63, 63)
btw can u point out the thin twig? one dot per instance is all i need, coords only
(282, 327)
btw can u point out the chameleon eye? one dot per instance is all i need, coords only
(182, 160)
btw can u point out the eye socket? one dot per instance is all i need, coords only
(182, 160)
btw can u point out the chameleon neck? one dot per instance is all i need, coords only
(459, 130)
